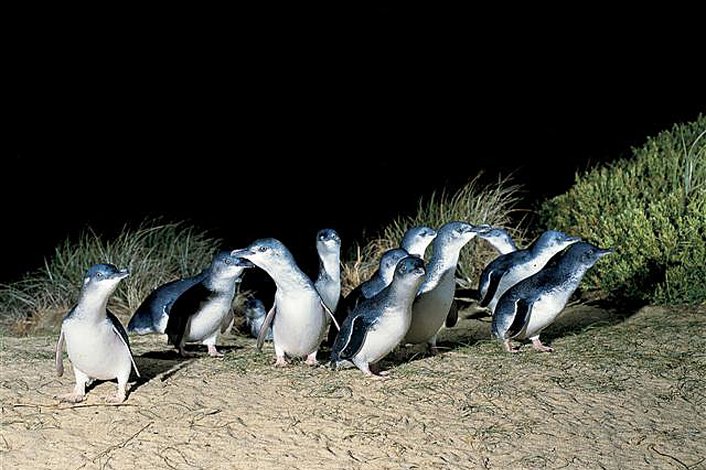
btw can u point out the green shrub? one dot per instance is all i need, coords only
(154, 252)
(494, 205)
(652, 209)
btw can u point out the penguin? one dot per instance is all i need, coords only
(328, 283)
(153, 313)
(203, 310)
(377, 282)
(532, 304)
(299, 316)
(507, 270)
(378, 324)
(416, 240)
(255, 314)
(499, 239)
(433, 302)
(96, 342)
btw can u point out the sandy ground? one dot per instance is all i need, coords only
(617, 393)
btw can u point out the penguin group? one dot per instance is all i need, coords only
(407, 301)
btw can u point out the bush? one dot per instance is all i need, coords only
(154, 252)
(652, 209)
(494, 205)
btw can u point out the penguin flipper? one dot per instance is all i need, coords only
(452, 317)
(523, 308)
(59, 355)
(493, 283)
(266, 326)
(119, 330)
(333, 317)
(227, 322)
(357, 333)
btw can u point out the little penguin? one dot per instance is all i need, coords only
(203, 310)
(378, 324)
(433, 302)
(96, 342)
(328, 283)
(509, 269)
(532, 304)
(299, 316)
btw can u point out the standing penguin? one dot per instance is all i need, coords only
(328, 283)
(299, 316)
(433, 302)
(96, 342)
(378, 324)
(202, 311)
(507, 270)
(532, 304)
(153, 313)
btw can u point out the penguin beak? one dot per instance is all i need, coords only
(602, 252)
(483, 228)
(242, 262)
(573, 239)
(122, 274)
(241, 253)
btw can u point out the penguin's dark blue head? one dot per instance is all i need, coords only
(388, 263)
(107, 275)
(584, 253)
(456, 232)
(254, 308)
(417, 239)
(554, 241)
(265, 253)
(225, 260)
(328, 241)
(410, 266)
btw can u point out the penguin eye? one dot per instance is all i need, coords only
(227, 261)
(99, 274)
(262, 249)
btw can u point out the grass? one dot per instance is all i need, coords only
(493, 204)
(155, 252)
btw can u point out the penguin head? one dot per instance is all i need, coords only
(104, 277)
(265, 253)
(457, 233)
(328, 241)
(226, 265)
(254, 308)
(585, 254)
(388, 263)
(411, 268)
(417, 239)
(492, 234)
(554, 241)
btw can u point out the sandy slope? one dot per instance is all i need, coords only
(625, 395)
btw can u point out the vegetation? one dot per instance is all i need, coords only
(494, 205)
(652, 208)
(154, 252)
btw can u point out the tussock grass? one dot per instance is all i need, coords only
(155, 252)
(493, 204)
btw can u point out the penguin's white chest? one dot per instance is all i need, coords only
(513, 276)
(430, 311)
(300, 322)
(385, 335)
(544, 312)
(207, 321)
(95, 348)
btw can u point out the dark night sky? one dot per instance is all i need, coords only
(185, 119)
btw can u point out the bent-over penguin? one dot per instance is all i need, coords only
(153, 313)
(379, 323)
(433, 302)
(202, 311)
(507, 270)
(328, 283)
(299, 316)
(96, 342)
(532, 304)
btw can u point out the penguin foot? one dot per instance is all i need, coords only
(71, 397)
(510, 348)
(311, 360)
(116, 399)
(213, 352)
(184, 353)
(281, 362)
(537, 344)
(381, 374)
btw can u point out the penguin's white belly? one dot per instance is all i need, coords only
(208, 321)
(161, 323)
(512, 277)
(544, 312)
(330, 293)
(299, 324)
(429, 313)
(96, 349)
(385, 335)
